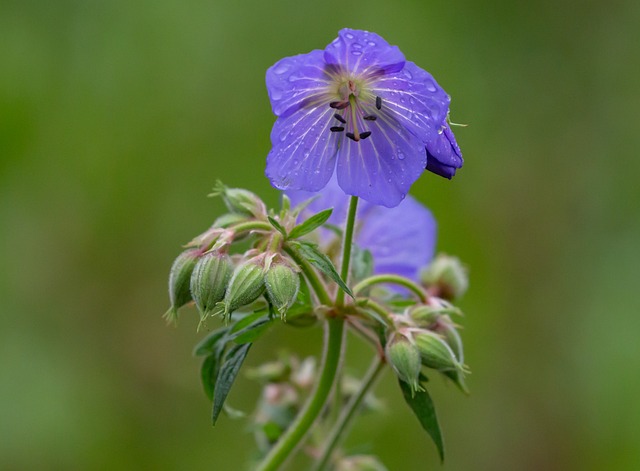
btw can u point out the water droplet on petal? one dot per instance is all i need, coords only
(356, 53)
(430, 86)
(371, 43)
(356, 46)
(280, 69)
(349, 36)
(408, 74)
(400, 155)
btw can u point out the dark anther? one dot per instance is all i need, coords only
(351, 136)
(340, 118)
(378, 102)
(336, 129)
(339, 105)
(370, 117)
(364, 135)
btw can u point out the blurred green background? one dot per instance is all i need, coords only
(116, 118)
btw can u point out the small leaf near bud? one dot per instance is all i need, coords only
(447, 277)
(179, 280)
(246, 285)
(404, 358)
(282, 285)
(209, 281)
(240, 201)
(436, 353)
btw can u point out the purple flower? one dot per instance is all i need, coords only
(361, 107)
(401, 239)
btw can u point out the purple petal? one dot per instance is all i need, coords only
(415, 99)
(363, 54)
(304, 150)
(401, 240)
(296, 81)
(443, 154)
(381, 168)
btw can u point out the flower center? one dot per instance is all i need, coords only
(353, 110)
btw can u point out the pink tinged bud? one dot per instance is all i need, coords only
(246, 285)
(447, 277)
(282, 286)
(404, 358)
(436, 353)
(209, 281)
(179, 281)
(240, 201)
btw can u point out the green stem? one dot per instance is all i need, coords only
(311, 275)
(334, 339)
(252, 226)
(348, 413)
(378, 308)
(395, 279)
(346, 248)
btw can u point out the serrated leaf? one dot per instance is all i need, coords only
(208, 374)
(319, 260)
(277, 226)
(226, 376)
(422, 406)
(207, 345)
(310, 224)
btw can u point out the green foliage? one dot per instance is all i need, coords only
(310, 224)
(319, 260)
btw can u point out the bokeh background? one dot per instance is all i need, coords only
(116, 118)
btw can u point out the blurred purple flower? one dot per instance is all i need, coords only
(401, 240)
(360, 106)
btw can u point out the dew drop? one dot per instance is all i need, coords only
(349, 36)
(280, 69)
(356, 46)
(431, 86)
(356, 53)
(371, 43)
(276, 94)
(408, 74)
(400, 155)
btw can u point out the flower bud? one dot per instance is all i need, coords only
(240, 201)
(436, 353)
(282, 285)
(404, 358)
(179, 280)
(424, 315)
(209, 281)
(246, 285)
(447, 276)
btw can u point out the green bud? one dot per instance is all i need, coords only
(246, 285)
(436, 353)
(424, 315)
(179, 280)
(404, 358)
(447, 276)
(229, 219)
(209, 281)
(452, 337)
(240, 201)
(282, 285)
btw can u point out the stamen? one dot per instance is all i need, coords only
(336, 129)
(340, 118)
(370, 117)
(364, 135)
(378, 102)
(339, 105)
(351, 136)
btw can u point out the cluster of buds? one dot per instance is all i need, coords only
(219, 283)
(425, 336)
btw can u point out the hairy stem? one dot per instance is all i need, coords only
(394, 279)
(334, 339)
(347, 242)
(348, 413)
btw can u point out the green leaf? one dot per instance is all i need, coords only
(208, 344)
(227, 375)
(277, 226)
(252, 332)
(319, 260)
(422, 406)
(310, 224)
(208, 374)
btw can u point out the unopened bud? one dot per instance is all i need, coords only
(179, 280)
(360, 463)
(241, 201)
(282, 285)
(246, 285)
(424, 315)
(436, 353)
(209, 281)
(404, 358)
(447, 276)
